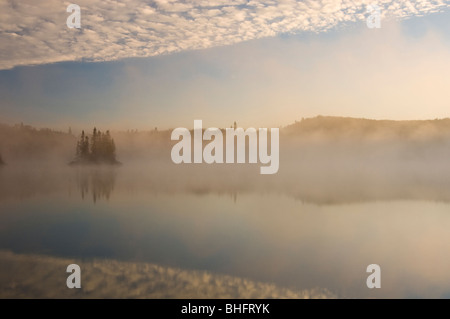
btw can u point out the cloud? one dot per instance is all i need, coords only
(35, 32)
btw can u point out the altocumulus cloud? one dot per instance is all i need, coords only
(35, 32)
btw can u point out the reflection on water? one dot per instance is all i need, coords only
(96, 181)
(114, 279)
(223, 232)
(323, 183)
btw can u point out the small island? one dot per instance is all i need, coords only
(99, 148)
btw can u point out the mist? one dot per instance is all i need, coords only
(348, 191)
(323, 160)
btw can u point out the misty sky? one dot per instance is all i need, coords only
(140, 64)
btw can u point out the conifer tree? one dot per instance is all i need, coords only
(100, 148)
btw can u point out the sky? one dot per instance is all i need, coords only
(137, 64)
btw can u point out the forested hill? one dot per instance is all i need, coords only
(356, 128)
(23, 142)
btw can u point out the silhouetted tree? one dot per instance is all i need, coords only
(95, 143)
(100, 148)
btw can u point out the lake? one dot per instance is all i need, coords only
(165, 231)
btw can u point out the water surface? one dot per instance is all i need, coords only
(238, 232)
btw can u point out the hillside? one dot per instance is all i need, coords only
(23, 142)
(359, 128)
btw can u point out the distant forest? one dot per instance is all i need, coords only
(24, 143)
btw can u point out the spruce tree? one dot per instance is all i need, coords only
(94, 144)
(99, 148)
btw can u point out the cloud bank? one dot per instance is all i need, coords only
(35, 32)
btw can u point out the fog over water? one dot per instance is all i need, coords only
(322, 160)
(348, 193)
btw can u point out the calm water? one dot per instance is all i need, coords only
(261, 232)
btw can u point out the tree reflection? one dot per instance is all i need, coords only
(96, 181)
